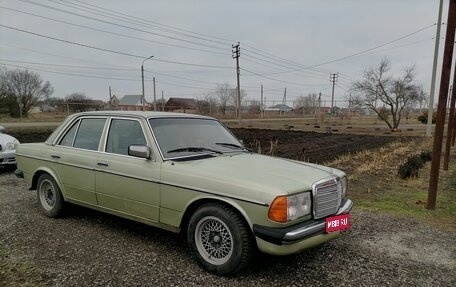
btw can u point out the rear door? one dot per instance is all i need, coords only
(125, 183)
(74, 158)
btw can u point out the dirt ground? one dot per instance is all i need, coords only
(310, 146)
(301, 145)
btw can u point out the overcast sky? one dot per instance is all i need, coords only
(191, 44)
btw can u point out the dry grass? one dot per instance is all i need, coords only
(375, 185)
(383, 161)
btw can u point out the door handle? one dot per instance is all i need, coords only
(55, 156)
(102, 164)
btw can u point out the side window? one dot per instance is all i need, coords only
(68, 139)
(89, 133)
(122, 134)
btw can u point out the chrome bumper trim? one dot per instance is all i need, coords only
(315, 228)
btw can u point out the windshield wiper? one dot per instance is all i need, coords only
(231, 145)
(194, 149)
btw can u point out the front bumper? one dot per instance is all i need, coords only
(302, 231)
(7, 157)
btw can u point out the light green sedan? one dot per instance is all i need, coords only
(187, 173)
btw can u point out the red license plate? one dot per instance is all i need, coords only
(336, 223)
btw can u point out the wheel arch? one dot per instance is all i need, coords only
(41, 171)
(196, 203)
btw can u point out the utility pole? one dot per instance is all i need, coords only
(143, 98)
(110, 95)
(434, 73)
(333, 78)
(441, 108)
(236, 55)
(155, 96)
(284, 103)
(450, 126)
(319, 102)
(261, 105)
(163, 103)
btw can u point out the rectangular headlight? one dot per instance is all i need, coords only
(298, 205)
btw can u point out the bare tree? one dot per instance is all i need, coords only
(207, 104)
(355, 103)
(307, 104)
(78, 102)
(393, 93)
(22, 90)
(233, 97)
(254, 106)
(222, 92)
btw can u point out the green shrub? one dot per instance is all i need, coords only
(413, 164)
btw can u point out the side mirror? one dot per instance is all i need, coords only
(141, 151)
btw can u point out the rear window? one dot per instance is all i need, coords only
(84, 134)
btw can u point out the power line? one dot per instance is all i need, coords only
(71, 74)
(191, 64)
(156, 25)
(116, 24)
(73, 43)
(277, 80)
(105, 68)
(102, 77)
(373, 48)
(112, 33)
(69, 66)
(111, 51)
(302, 67)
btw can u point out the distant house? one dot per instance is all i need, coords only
(131, 103)
(182, 105)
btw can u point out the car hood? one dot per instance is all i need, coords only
(246, 175)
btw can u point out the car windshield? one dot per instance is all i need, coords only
(185, 137)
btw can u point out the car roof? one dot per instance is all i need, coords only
(138, 114)
(145, 114)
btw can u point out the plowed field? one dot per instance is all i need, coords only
(310, 146)
(307, 146)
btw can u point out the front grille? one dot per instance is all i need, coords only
(326, 197)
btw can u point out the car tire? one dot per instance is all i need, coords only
(219, 239)
(49, 196)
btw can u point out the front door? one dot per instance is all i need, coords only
(124, 183)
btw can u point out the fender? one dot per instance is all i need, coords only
(207, 198)
(52, 173)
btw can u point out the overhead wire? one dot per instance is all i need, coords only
(111, 51)
(156, 25)
(302, 67)
(106, 68)
(286, 82)
(112, 33)
(117, 24)
(103, 77)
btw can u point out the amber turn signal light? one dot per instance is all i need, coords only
(278, 209)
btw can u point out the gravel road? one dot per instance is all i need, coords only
(88, 248)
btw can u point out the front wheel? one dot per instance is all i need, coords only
(219, 239)
(49, 196)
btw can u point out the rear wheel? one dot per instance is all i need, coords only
(219, 239)
(49, 196)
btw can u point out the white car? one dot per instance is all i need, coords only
(7, 149)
